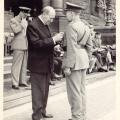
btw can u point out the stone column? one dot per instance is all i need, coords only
(58, 5)
(46, 3)
(109, 12)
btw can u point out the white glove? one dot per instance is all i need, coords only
(67, 71)
(58, 37)
(57, 48)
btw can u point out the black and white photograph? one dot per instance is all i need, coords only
(59, 60)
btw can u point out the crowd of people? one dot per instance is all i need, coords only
(101, 54)
(71, 54)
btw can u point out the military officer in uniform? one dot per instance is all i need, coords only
(76, 60)
(19, 46)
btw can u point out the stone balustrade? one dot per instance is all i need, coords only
(108, 34)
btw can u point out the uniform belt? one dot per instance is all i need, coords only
(81, 46)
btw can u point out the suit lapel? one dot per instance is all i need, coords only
(45, 28)
(48, 30)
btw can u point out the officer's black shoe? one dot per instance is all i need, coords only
(47, 115)
(23, 85)
(15, 87)
(102, 70)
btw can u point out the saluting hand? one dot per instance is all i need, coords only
(67, 71)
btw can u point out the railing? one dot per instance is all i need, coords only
(108, 34)
(7, 44)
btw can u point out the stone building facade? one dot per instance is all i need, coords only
(95, 12)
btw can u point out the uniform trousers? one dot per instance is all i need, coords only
(19, 67)
(40, 90)
(77, 94)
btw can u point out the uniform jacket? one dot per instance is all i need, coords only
(40, 47)
(20, 40)
(79, 46)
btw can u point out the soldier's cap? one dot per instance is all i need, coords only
(25, 9)
(71, 6)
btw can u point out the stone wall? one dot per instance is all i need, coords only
(108, 34)
(7, 17)
(46, 3)
(85, 3)
(54, 27)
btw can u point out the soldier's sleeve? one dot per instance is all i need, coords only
(16, 28)
(89, 47)
(64, 45)
(71, 38)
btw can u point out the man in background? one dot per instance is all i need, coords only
(101, 52)
(95, 60)
(19, 46)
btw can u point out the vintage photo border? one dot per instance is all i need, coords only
(117, 58)
(1, 55)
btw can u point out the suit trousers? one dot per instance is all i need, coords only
(19, 67)
(77, 94)
(40, 90)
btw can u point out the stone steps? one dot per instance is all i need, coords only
(23, 95)
(7, 67)
(14, 98)
(8, 59)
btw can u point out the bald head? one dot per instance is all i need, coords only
(48, 14)
(48, 10)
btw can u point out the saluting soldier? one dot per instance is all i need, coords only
(76, 60)
(19, 46)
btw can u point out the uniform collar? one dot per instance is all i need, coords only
(18, 18)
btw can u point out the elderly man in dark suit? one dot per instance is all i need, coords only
(19, 46)
(76, 60)
(40, 60)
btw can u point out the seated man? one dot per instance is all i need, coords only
(57, 72)
(113, 52)
(109, 57)
(58, 52)
(94, 63)
(102, 52)
(95, 60)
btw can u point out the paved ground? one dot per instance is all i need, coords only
(100, 104)
(90, 77)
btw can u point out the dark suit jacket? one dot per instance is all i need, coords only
(40, 47)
